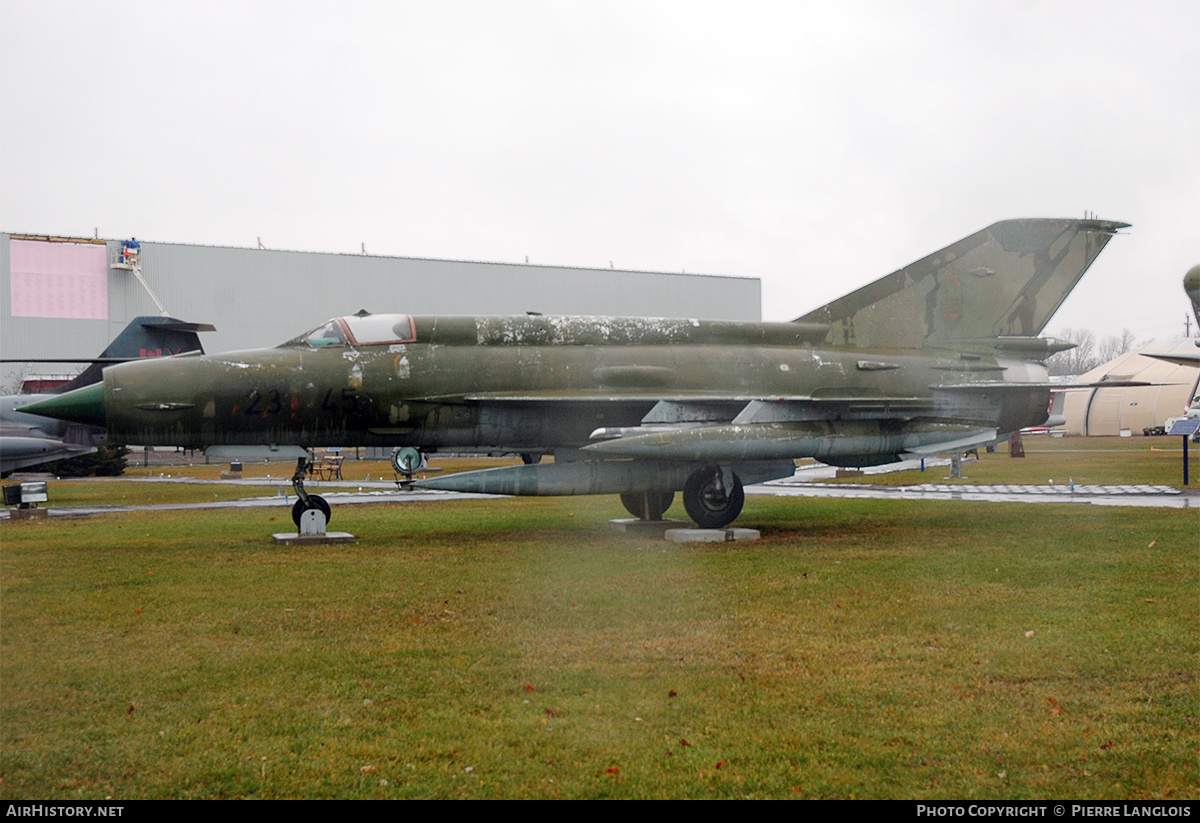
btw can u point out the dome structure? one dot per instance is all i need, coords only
(1108, 411)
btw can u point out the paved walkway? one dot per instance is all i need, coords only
(274, 501)
(1163, 496)
(802, 484)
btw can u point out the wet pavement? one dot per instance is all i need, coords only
(335, 492)
(1162, 496)
(805, 483)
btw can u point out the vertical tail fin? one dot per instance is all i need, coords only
(145, 337)
(1006, 280)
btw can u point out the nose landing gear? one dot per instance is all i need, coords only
(304, 500)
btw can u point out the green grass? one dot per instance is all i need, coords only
(517, 648)
(1092, 460)
(351, 469)
(134, 489)
(86, 492)
(1086, 460)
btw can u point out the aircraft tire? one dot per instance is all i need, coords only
(315, 501)
(647, 505)
(706, 506)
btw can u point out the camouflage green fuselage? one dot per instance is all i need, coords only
(539, 384)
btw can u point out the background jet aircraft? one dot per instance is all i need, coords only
(1191, 286)
(29, 439)
(938, 356)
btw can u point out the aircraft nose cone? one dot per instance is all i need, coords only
(84, 405)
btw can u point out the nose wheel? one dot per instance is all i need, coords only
(304, 500)
(713, 498)
(314, 501)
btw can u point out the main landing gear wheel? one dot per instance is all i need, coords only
(647, 505)
(315, 501)
(709, 502)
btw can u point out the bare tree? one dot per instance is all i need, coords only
(1076, 360)
(1087, 355)
(1115, 346)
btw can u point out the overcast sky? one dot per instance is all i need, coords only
(814, 145)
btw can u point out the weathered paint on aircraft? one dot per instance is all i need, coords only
(940, 355)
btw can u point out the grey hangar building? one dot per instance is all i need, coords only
(68, 297)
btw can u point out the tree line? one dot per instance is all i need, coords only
(1088, 352)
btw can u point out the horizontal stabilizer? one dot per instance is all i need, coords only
(1032, 348)
(988, 387)
(1179, 358)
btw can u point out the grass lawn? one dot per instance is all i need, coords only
(1086, 460)
(133, 489)
(1092, 461)
(517, 648)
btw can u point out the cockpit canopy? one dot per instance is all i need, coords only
(359, 330)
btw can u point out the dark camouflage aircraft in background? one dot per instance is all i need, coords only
(30, 440)
(939, 356)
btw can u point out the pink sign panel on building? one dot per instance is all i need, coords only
(58, 279)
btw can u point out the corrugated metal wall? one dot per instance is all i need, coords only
(263, 297)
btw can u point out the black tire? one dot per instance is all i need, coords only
(706, 505)
(315, 501)
(647, 505)
(531, 458)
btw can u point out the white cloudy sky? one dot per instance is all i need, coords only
(814, 145)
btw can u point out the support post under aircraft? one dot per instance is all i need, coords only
(943, 354)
